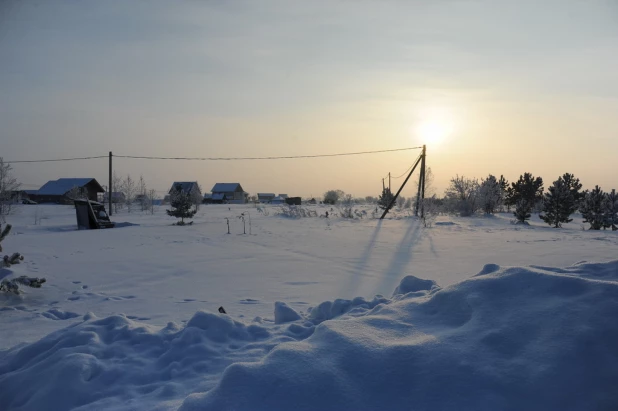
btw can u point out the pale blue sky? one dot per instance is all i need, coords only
(521, 85)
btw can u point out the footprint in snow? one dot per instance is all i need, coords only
(55, 314)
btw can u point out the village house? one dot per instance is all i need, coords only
(189, 187)
(231, 193)
(278, 200)
(265, 198)
(293, 201)
(18, 196)
(59, 191)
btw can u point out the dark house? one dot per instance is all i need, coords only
(293, 201)
(189, 187)
(57, 191)
(207, 199)
(20, 195)
(231, 193)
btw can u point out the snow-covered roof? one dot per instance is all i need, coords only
(225, 187)
(207, 195)
(283, 195)
(31, 191)
(64, 185)
(218, 196)
(185, 186)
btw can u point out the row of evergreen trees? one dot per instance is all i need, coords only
(563, 198)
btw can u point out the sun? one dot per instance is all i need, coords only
(433, 132)
(434, 127)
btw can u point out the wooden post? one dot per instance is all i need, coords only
(420, 195)
(389, 181)
(109, 189)
(423, 162)
(383, 185)
(401, 188)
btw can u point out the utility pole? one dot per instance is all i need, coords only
(401, 188)
(109, 189)
(423, 183)
(389, 181)
(420, 195)
(383, 188)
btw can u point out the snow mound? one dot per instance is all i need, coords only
(412, 284)
(285, 314)
(116, 363)
(514, 338)
(333, 309)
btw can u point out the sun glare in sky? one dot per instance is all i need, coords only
(433, 128)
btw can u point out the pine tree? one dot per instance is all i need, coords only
(524, 194)
(592, 208)
(611, 210)
(385, 198)
(574, 186)
(181, 203)
(560, 201)
(490, 194)
(504, 186)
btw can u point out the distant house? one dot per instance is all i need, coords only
(231, 193)
(293, 201)
(21, 195)
(284, 196)
(312, 201)
(207, 198)
(278, 200)
(189, 187)
(57, 191)
(265, 198)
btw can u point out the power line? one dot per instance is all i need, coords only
(56, 159)
(267, 158)
(217, 158)
(404, 173)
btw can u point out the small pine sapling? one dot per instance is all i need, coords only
(611, 210)
(561, 201)
(592, 208)
(182, 205)
(12, 285)
(385, 198)
(524, 194)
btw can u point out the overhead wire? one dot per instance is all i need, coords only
(267, 157)
(56, 159)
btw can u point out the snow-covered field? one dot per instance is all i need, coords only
(128, 317)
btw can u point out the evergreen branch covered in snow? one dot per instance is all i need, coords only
(12, 286)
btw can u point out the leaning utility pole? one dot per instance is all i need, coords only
(423, 183)
(401, 188)
(109, 189)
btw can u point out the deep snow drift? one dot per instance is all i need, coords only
(534, 338)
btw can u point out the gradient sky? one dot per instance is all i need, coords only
(520, 86)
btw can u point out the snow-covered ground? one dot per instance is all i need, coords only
(128, 317)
